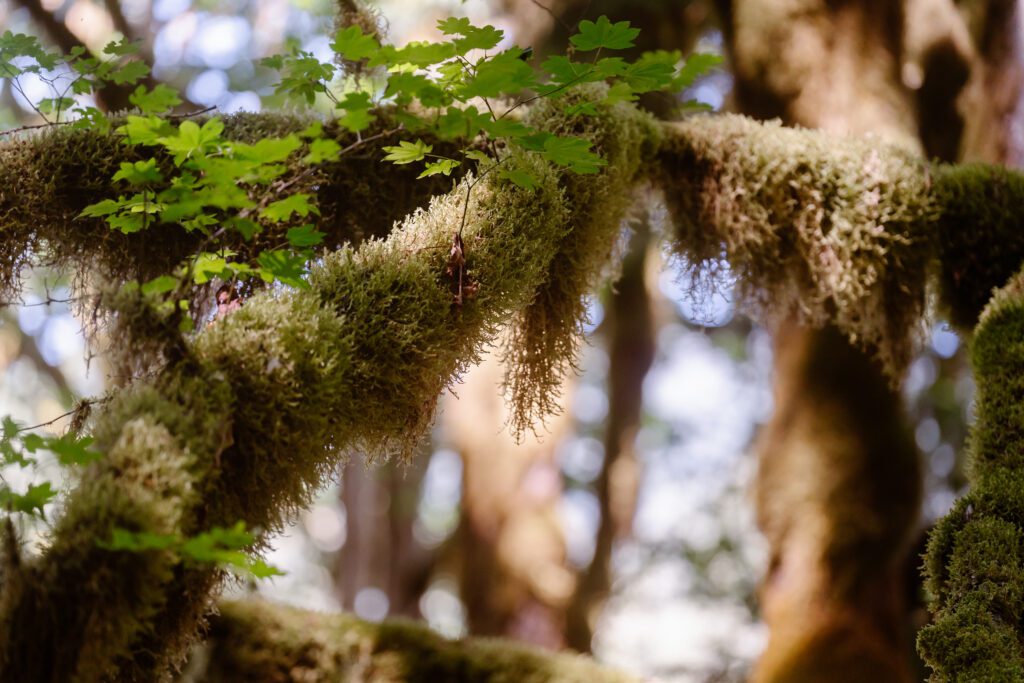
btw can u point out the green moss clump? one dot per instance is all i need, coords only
(263, 404)
(975, 561)
(544, 339)
(258, 642)
(48, 178)
(981, 235)
(832, 230)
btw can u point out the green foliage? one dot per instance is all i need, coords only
(224, 547)
(22, 448)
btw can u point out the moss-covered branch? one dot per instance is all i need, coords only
(250, 417)
(257, 642)
(47, 179)
(253, 415)
(975, 562)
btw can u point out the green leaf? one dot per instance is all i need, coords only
(145, 130)
(321, 150)
(160, 285)
(445, 166)
(604, 34)
(502, 74)
(283, 266)
(304, 236)
(247, 227)
(33, 500)
(519, 177)
(156, 101)
(139, 173)
(352, 44)
(103, 208)
(267, 150)
(478, 156)
(474, 38)
(407, 152)
(122, 48)
(73, 450)
(573, 153)
(696, 66)
(563, 71)
(419, 53)
(653, 71)
(461, 123)
(581, 108)
(129, 73)
(208, 266)
(283, 209)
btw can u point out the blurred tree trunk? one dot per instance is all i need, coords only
(629, 330)
(515, 578)
(839, 485)
(380, 549)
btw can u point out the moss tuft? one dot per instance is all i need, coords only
(975, 561)
(981, 235)
(833, 230)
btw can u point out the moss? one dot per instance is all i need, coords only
(545, 337)
(975, 561)
(47, 179)
(981, 234)
(834, 230)
(264, 403)
(259, 642)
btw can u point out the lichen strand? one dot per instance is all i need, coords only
(47, 179)
(543, 342)
(981, 233)
(258, 642)
(975, 562)
(263, 403)
(831, 229)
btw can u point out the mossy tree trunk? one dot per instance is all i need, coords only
(838, 483)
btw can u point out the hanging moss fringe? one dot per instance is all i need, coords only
(264, 403)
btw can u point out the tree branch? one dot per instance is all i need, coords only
(258, 642)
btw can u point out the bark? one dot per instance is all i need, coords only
(838, 484)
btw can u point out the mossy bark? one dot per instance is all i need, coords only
(258, 409)
(257, 642)
(975, 562)
(248, 418)
(838, 483)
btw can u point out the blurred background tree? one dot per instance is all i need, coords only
(624, 528)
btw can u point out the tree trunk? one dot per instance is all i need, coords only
(838, 483)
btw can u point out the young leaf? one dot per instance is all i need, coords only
(284, 266)
(156, 101)
(283, 209)
(574, 153)
(474, 38)
(519, 177)
(352, 44)
(604, 34)
(37, 496)
(407, 152)
(139, 173)
(305, 236)
(159, 285)
(72, 450)
(502, 74)
(445, 166)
